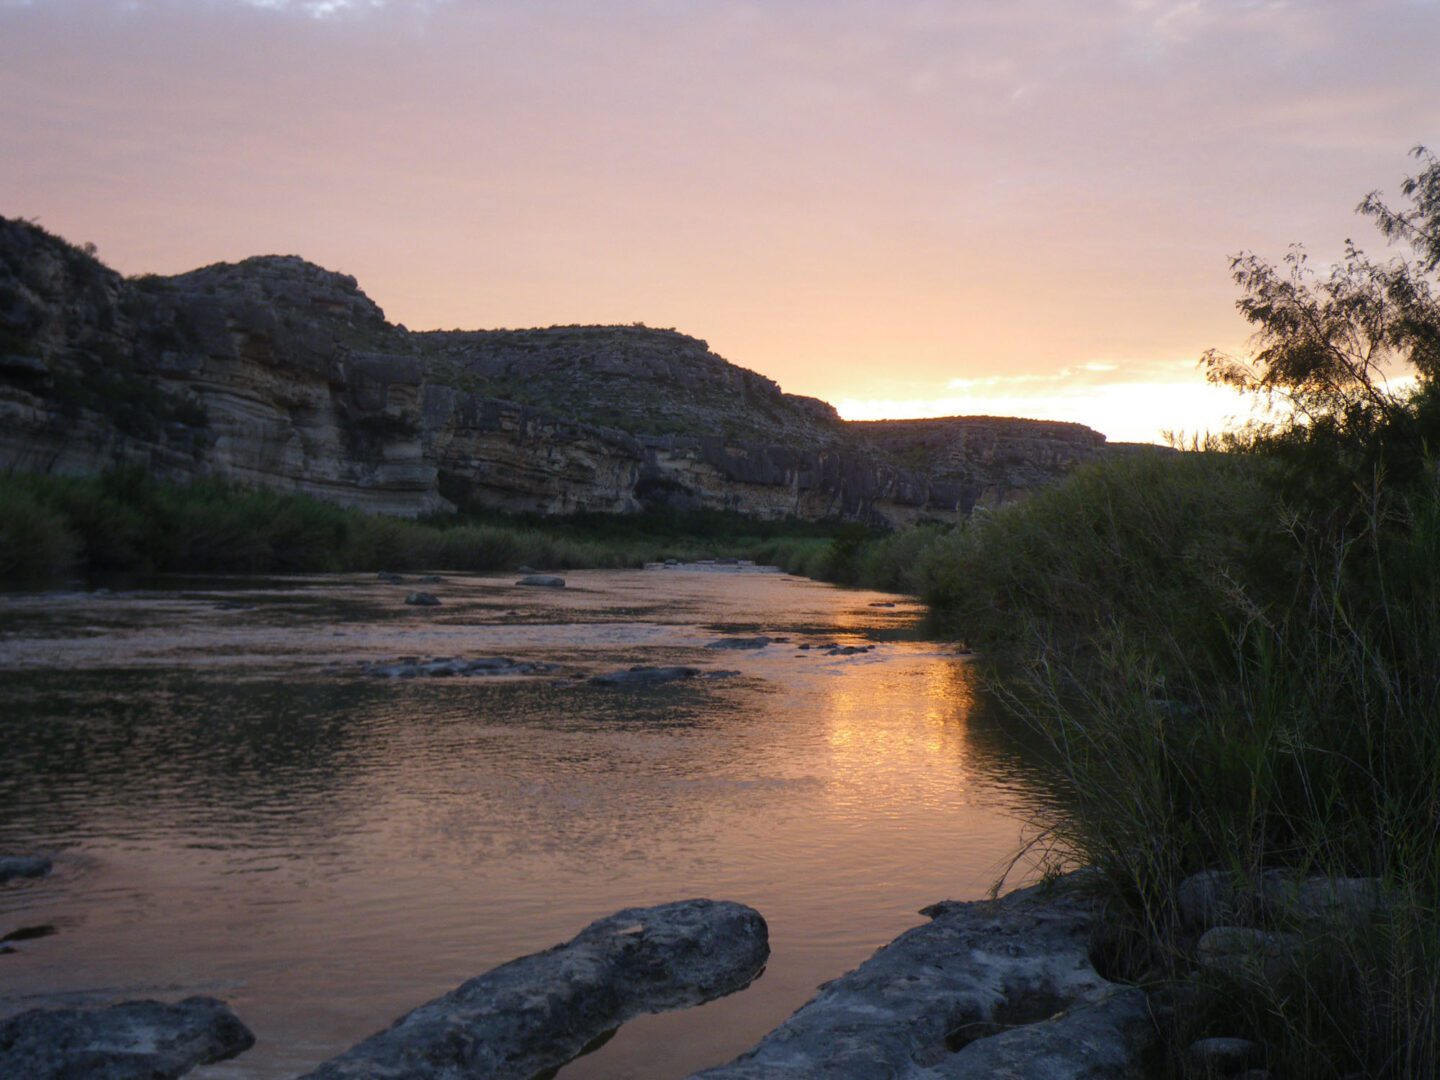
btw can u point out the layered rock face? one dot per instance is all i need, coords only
(276, 372)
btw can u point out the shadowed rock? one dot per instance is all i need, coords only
(422, 599)
(544, 581)
(1247, 954)
(740, 643)
(654, 676)
(1215, 897)
(135, 1040)
(990, 989)
(23, 866)
(444, 667)
(538, 1012)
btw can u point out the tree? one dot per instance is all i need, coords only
(1326, 344)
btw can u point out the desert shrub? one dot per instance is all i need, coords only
(34, 540)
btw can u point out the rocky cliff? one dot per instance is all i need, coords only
(277, 372)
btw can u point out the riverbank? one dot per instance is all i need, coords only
(1234, 660)
(52, 527)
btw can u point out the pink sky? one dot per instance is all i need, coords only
(905, 208)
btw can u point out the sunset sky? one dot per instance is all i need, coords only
(905, 208)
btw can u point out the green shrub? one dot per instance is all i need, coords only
(34, 540)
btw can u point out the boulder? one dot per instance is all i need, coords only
(422, 599)
(23, 866)
(1216, 897)
(135, 1040)
(988, 989)
(534, 1014)
(544, 581)
(1223, 1056)
(1241, 952)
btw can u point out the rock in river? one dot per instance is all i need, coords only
(654, 676)
(445, 666)
(999, 990)
(740, 643)
(547, 581)
(135, 1040)
(18, 866)
(536, 1013)
(423, 599)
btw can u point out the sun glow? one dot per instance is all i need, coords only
(1128, 403)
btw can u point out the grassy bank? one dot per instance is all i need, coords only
(124, 522)
(1235, 659)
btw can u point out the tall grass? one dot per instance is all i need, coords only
(1235, 670)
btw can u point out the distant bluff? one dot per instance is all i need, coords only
(277, 372)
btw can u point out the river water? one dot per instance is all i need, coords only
(235, 808)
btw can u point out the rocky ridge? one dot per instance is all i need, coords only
(276, 372)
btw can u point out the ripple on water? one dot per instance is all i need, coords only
(237, 809)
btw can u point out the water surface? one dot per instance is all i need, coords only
(236, 809)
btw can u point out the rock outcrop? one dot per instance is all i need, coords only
(135, 1040)
(536, 1013)
(989, 989)
(276, 372)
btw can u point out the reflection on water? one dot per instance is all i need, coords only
(237, 810)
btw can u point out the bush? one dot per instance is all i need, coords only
(1233, 670)
(34, 540)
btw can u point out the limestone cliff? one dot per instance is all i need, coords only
(274, 371)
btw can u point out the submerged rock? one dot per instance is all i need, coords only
(741, 643)
(654, 676)
(422, 599)
(445, 666)
(135, 1040)
(989, 989)
(544, 581)
(389, 579)
(645, 676)
(430, 579)
(23, 866)
(536, 1013)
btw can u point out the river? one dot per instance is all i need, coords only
(235, 808)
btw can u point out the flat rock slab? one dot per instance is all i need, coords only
(135, 1040)
(23, 866)
(989, 989)
(544, 581)
(538, 1012)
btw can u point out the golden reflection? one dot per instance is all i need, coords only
(898, 718)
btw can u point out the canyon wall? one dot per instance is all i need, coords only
(276, 372)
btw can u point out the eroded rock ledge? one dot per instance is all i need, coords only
(989, 989)
(276, 372)
(540, 1011)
